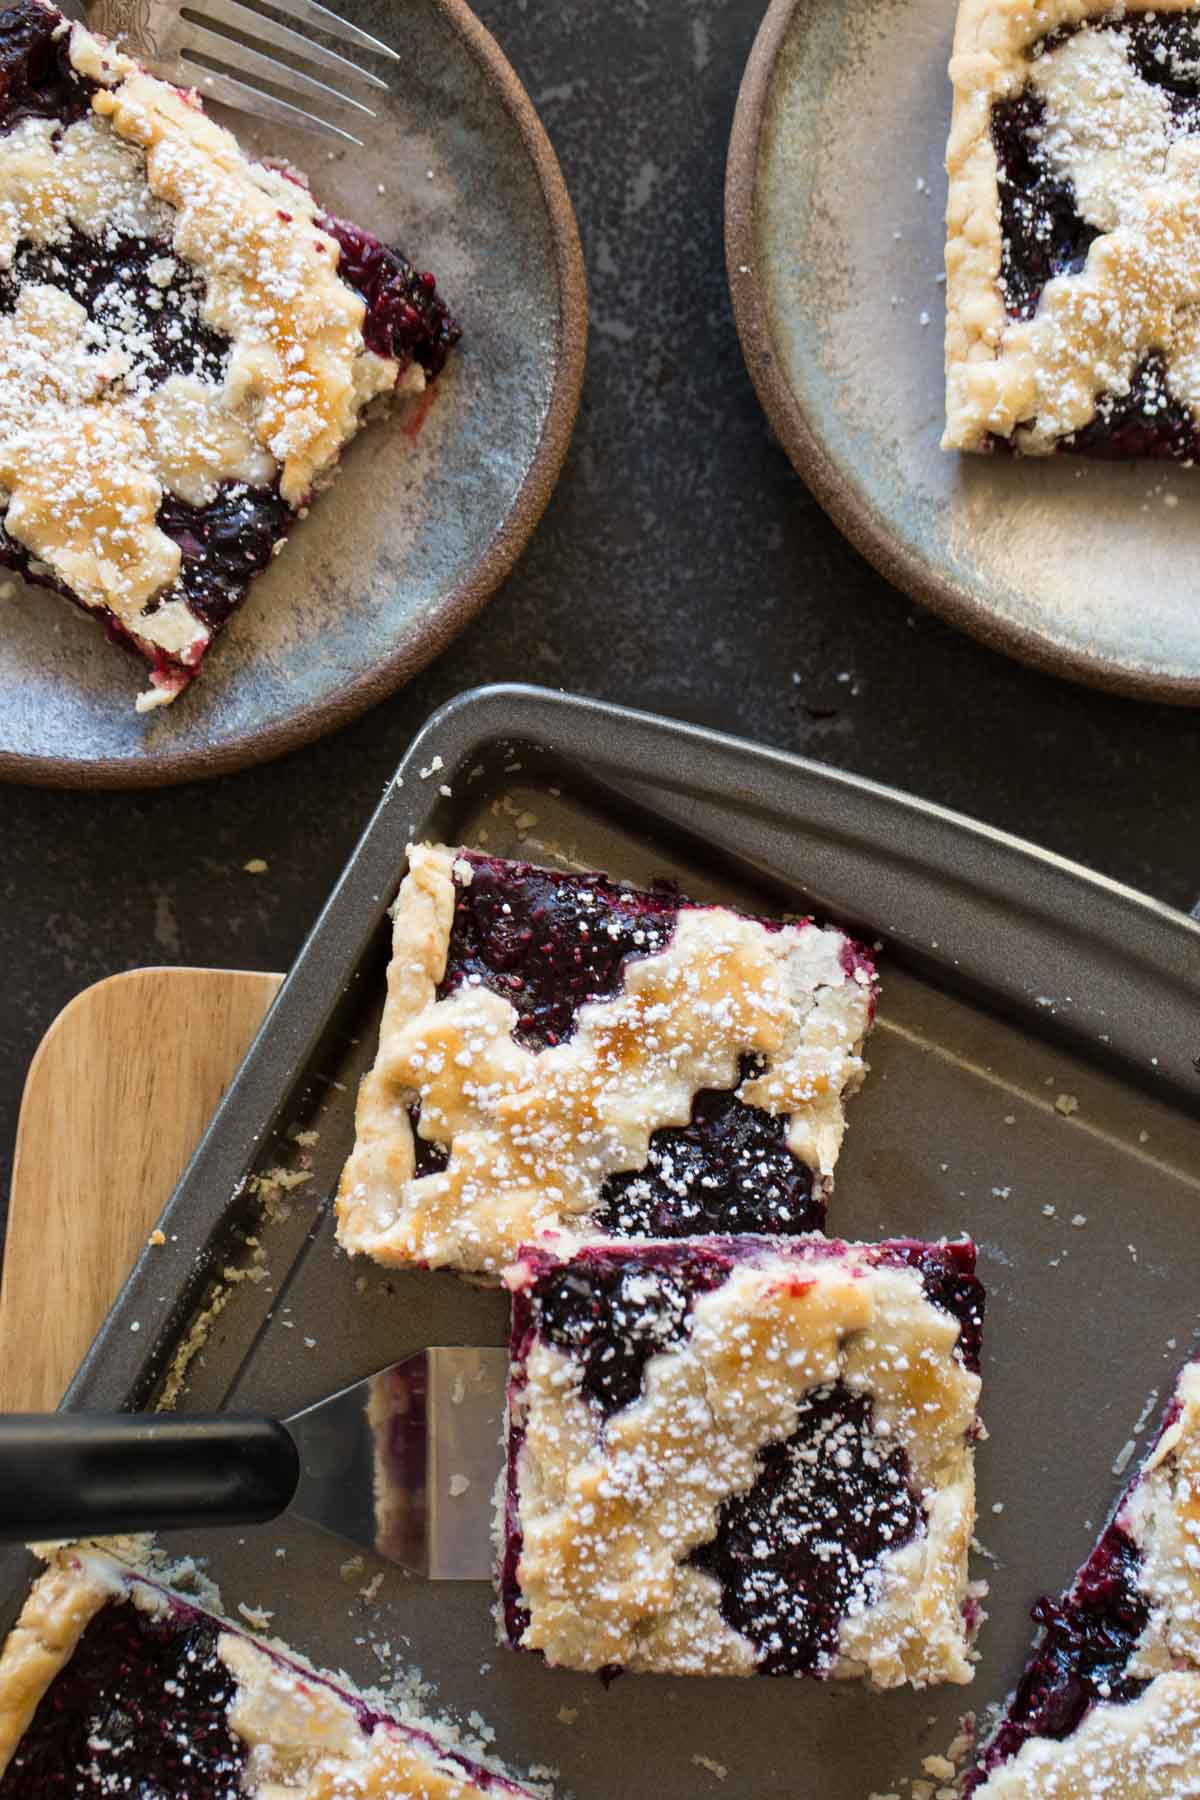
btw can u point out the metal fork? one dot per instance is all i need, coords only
(190, 46)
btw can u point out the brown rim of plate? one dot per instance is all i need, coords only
(466, 599)
(860, 522)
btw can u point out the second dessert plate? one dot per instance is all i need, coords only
(835, 200)
(430, 508)
(1032, 1083)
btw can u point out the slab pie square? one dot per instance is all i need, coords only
(1073, 229)
(740, 1457)
(562, 1056)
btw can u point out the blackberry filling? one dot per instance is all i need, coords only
(140, 1709)
(612, 1318)
(948, 1276)
(406, 317)
(155, 322)
(36, 77)
(1147, 422)
(728, 1170)
(1088, 1638)
(224, 545)
(548, 942)
(795, 1552)
(1043, 234)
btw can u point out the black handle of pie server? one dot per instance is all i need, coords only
(66, 1475)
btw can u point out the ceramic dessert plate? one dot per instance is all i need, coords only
(1031, 1083)
(430, 505)
(835, 201)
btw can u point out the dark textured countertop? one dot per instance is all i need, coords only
(681, 566)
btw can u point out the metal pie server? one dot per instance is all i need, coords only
(404, 1464)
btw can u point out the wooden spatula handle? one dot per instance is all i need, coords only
(65, 1475)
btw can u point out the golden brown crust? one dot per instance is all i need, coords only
(306, 1743)
(533, 1135)
(1046, 373)
(61, 1605)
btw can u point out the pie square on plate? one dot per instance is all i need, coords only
(563, 1055)
(743, 1456)
(187, 343)
(111, 1683)
(1073, 229)
(1109, 1705)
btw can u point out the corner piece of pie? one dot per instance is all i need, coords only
(741, 1457)
(112, 1683)
(1109, 1705)
(561, 1056)
(187, 342)
(1073, 229)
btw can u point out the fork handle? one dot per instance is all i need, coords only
(68, 1475)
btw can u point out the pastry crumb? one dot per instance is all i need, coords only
(567, 1715)
(257, 1616)
(352, 1568)
(713, 1767)
(1066, 1104)
(156, 1239)
(458, 1486)
(1125, 1457)
(256, 866)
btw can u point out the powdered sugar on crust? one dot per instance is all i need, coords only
(532, 1134)
(1147, 1749)
(611, 1507)
(1135, 174)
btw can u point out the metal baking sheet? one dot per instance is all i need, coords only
(1034, 1081)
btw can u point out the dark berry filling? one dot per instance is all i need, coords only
(157, 325)
(1043, 233)
(105, 1727)
(798, 1550)
(549, 942)
(728, 1170)
(406, 317)
(948, 1276)
(429, 1156)
(36, 77)
(1087, 1639)
(1147, 422)
(224, 545)
(615, 1314)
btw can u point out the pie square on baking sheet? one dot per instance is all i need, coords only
(744, 1456)
(562, 1056)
